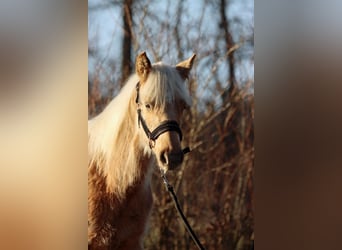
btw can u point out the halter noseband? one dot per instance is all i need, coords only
(165, 126)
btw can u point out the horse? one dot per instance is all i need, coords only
(122, 151)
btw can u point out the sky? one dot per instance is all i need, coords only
(105, 28)
(105, 25)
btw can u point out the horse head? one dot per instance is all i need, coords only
(161, 97)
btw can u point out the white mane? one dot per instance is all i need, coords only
(103, 129)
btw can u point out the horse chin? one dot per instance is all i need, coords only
(166, 168)
(163, 169)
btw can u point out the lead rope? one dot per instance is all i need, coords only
(152, 136)
(180, 212)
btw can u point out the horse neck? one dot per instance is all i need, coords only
(129, 164)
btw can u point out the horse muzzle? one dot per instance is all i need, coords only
(170, 160)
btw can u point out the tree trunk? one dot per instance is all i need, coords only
(126, 66)
(229, 45)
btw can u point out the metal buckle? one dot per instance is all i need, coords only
(151, 143)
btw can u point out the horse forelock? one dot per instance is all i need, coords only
(164, 85)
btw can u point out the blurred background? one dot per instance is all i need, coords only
(215, 183)
(43, 124)
(44, 47)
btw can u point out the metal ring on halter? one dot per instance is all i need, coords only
(151, 143)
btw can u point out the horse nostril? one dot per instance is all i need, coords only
(163, 158)
(171, 160)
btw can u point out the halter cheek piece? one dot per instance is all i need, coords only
(165, 126)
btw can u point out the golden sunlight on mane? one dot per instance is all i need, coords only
(108, 142)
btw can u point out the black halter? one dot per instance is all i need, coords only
(165, 126)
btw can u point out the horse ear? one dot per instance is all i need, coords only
(185, 66)
(142, 66)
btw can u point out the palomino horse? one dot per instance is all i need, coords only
(122, 151)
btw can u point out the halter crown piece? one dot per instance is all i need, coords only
(168, 125)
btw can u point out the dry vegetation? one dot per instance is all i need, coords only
(215, 183)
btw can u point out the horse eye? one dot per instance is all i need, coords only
(148, 106)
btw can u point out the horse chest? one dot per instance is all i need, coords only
(137, 206)
(133, 216)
